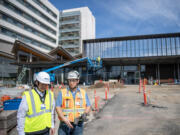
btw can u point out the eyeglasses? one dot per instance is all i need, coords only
(73, 80)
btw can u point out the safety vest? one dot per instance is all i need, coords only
(73, 108)
(38, 117)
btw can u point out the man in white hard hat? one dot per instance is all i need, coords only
(36, 111)
(72, 105)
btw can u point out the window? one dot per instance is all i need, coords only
(23, 38)
(26, 27)
(28, 17)
(26, 4)
(45, 8)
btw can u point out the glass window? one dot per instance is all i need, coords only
(133, 48)
(168, 46)
(128, 48)
(173, 46)
(124, 49)
(159, 47)
(178, 45)
(36, 11)
(45, 8)
(164, 46)
(141, 45)
(145, 47)
(26, 27)
(30, 18)
(155, 50)
(137, 46)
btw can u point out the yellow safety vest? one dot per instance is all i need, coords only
(38, 118)
(73, 108)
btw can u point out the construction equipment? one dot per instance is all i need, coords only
(92, 64)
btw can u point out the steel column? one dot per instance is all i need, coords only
(158, 75)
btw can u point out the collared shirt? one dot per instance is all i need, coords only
(59, 98)
(23, 109)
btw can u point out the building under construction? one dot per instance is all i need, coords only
(154, 57)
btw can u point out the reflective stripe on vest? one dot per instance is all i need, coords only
(35, 113)
(73, 108)
(70, 110)
(38, 118)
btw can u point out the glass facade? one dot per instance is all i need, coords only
(133, 48)
(139, 47)
(25, 27)
(27, 40)
(36, 11)
(69, 31)
(45, 8)
(10, 6)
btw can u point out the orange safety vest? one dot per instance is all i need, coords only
(73, 108)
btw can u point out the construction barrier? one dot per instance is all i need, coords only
(106, 94)
(62, 84)
(108, 86)
(144, 94)
(95, 101)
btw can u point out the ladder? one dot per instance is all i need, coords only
(21, 75)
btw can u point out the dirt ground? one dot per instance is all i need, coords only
(163, 109)
(125, 113)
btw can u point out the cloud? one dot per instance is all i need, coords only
(140, 16)
(144, 9)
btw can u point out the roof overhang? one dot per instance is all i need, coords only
(62, 52)
(18, 45)
(141, 60)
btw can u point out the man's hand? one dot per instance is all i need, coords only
(84, 117)
(68, 123)
(52, 131)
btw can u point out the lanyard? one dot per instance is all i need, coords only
(42, 98)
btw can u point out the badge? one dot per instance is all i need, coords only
(43, 106)
(77, 103)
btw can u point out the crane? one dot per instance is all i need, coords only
(92, 64)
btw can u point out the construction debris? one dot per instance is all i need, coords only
(8, 120)
(107, 84)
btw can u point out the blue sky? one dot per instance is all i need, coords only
(116, 18)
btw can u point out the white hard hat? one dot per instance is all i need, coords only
(34, 77)
(73, 75)
(43, 77)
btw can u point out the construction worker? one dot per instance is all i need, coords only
(71, 104)
(98, 59)
(36, 111)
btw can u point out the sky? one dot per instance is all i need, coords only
(117, 18)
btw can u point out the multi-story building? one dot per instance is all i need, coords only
(155, 57)
(75, 26)
(34, 22)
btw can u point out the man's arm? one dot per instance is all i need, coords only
(52, 130)
(61, 116)
(21, 114)
(88, 105)
(59, 110)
